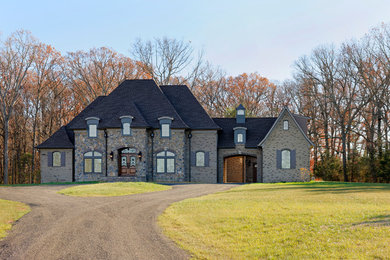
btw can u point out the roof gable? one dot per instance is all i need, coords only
(286, 110)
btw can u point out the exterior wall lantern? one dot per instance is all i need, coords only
(140, 155)
(112, 155)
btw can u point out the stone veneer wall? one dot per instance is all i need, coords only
(176, 144)
(205, 141)
(238, 150)
(56, 174)
(280, 139)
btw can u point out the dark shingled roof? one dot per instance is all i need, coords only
(188, 107)
(60, 139)
(142, 99)
(257, 129)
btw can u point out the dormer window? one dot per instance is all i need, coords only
(239, 135)
(285, 125)
(240, 112)
(126, 124)
(92, 123)
(165, 126)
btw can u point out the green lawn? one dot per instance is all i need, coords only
(113, 189)
(291, 220)
(10, 211)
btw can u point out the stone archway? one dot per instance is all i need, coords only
(240, 169)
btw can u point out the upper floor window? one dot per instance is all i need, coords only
(126, 128)
(165, 162)
(286, 162)
(200, 159)
(285, 124)
(240, 138)
(126, 124)
(92, 130)
(56, 159)
(93, 162)
(165, 131)
(92, 123)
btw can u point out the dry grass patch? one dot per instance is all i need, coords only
(10, 211)
(292, 220)
(113, 189)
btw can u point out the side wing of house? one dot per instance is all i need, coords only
(286, 151)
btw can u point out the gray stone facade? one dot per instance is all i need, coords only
(280, 139)
(56, 173)
(205, 141)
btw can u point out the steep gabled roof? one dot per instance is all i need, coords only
(257, 129)
(60, 139)
(286, 110)
(142, 99)
(188, 107)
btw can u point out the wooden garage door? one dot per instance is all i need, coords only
(234, 169)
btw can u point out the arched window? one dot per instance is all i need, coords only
(56, 159)
(93, 162)
(165, 162)
(286, 162)
(200, 159)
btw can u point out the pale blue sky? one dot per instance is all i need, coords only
(239, 36)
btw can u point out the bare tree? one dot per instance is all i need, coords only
(97, 72)
(16, 57)
(168, 60)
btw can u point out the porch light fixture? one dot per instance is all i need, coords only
(140, 155)
(112, 155)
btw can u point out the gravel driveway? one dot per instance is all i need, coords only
(63, 227)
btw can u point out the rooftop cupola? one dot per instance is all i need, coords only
(240, 114)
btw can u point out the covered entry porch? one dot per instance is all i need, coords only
(240, 169)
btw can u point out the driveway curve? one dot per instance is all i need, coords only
(64, 227)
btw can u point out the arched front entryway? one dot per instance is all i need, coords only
(240, 169)
(127, 161)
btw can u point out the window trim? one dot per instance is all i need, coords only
(92, 121)
(89, 131)
(123, 129)
(242, 138)
(93, 157)
(204, 158)
(169, 130)
(286, 125)
(289, 159)
(165, 157)
(126, 120)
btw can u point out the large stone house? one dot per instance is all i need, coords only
(145, 132)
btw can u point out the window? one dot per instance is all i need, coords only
(93, 162)
(126, 129)
(56, 159)
(200, 159)
(92, 130)
(165, 162)
(240, 138)
(165, 131)
(240, 112)
(286, 163)
(285, 125)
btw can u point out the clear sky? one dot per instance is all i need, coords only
(237, 35)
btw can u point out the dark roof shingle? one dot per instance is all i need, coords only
(257, 129)
(60, 139)
(188, 107)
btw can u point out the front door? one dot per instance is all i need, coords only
(128, 164)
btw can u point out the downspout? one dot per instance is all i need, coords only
(106, 137)
(189, 156)
(152, 172)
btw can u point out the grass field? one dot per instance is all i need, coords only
(292, 220)
(10, 211)
(113, 189)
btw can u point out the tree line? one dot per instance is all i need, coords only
(344, 90)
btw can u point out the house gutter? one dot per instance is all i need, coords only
(189, 156)
(106, 137)
(152, 137)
